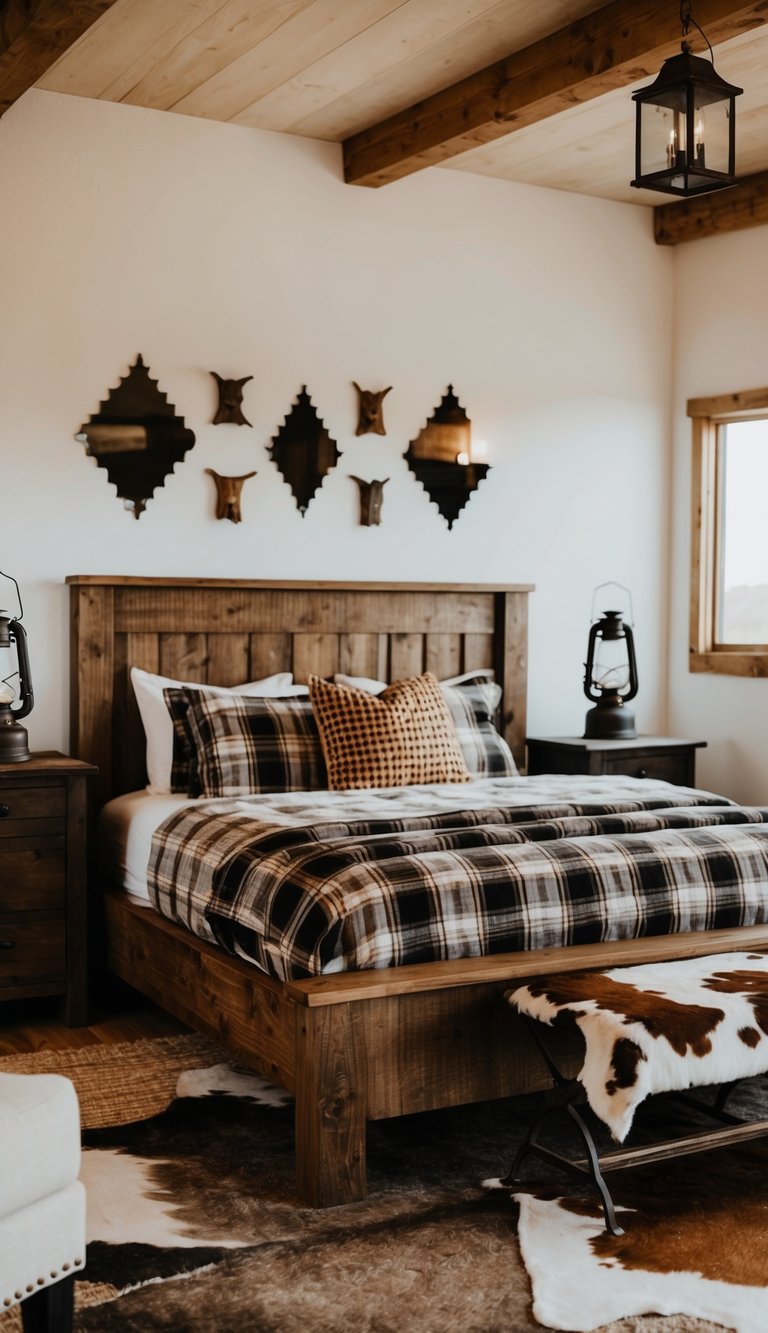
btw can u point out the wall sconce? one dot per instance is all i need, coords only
(610, 674)
(685, 131)
(14, 747)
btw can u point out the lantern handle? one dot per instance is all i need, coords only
(686, 19)
(625, 589)
(12, 580)
(633, 686)
(26, 693)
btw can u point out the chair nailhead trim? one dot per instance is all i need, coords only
(30, 1286)
(65, 1268)
(54, 1273)
(7, 1300)
(78, 1263)
(18, 1295)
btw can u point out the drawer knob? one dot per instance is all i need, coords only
(642, 772)
(7, 944)
(5, 810)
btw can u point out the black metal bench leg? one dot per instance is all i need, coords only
(49, 1310)
(526, 1147)
(598, 1180)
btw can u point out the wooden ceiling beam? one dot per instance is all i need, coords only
(616, 45)
(33, 34)
(745, 205)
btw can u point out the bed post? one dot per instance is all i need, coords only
(510, 650)
(92, 655)
(331, 1106)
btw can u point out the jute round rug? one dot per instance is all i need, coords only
(194, 1223)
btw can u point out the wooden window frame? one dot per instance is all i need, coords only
(708, 415)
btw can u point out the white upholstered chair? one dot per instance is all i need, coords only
(42, 1203)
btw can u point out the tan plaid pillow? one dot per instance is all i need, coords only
(405, 735)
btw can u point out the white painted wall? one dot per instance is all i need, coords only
(214, 247)
(721, 333)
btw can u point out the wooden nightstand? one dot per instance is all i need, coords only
(647, 757)
(43, 881)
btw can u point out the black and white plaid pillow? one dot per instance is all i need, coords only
(243, 746)
(472, 705)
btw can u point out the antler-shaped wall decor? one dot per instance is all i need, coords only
(370, 411)
(228, 493)
(371, 499)
(230, 408)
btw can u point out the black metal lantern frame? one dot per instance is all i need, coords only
(685, 141)
(610, 685)
(14, 746)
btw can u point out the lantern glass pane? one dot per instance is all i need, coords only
(711, 134)
(662, 131)
(9, 680)
(610, 670)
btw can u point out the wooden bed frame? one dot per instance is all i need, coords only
(353, 1046)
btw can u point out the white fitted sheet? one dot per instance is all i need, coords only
(125, 829)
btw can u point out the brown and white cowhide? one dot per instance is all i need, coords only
(659, 1027)
(695, 1245)
(200, 1229)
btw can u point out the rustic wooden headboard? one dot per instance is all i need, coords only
(227, 631)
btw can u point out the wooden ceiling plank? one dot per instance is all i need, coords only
(235, 29)
(308, 36)
(558, 136)
(745, 205)
(371, 54)
(412, 53)
(33, 34)
(151, 56)
(425, 72)
(615, 46)
(135, 33)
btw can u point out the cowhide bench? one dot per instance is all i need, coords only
(660, 1027)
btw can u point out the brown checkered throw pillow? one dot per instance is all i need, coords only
(404, 736)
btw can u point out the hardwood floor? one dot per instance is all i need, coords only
(120, 1015)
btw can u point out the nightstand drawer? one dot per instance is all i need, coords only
(32, 811)
(32, 877)
(32, 948)
(662, 767)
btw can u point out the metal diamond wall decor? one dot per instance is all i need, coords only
(441, 458)
(303, 451)
(137, 436)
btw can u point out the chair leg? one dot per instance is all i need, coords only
(49, 1310)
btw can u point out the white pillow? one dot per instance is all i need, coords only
(370, 686)
(156, 720)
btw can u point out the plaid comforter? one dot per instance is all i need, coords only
(314, 882)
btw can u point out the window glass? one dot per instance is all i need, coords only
(742, 538)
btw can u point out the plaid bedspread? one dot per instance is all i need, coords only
(316, 882)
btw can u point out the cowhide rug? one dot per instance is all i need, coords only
(195, 1227)
(695, 1239)
(660, 1026)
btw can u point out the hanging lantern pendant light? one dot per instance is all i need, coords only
(685, 131)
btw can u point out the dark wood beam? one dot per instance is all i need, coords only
(33, 34)
(745, 205)
(611, 48)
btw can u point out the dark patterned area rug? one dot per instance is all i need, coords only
(194, 1223)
